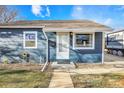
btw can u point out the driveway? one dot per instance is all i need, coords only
(109, 58)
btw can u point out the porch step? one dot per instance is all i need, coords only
(63, 62)
(55, 65)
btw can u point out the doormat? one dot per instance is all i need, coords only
(63, 62)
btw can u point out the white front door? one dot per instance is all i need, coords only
(62, 46)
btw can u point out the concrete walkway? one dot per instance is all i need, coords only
(61, 79)
(96, 71)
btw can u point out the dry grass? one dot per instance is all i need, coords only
(23, 76)
(20, 66)
(94, 65)
(98, 80)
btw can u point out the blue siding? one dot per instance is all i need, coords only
(77, 55)
(13, 48)
(13, 45)
(87, 55)
(52, 46)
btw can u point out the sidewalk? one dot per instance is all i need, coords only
(61, 79)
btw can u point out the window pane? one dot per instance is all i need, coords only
(30, 40)
(30, 36)
(29, 43)
(83, 40)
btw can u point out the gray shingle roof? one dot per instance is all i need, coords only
(65, 24)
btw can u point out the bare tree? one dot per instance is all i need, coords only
(7, 14)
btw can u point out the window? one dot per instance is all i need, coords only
(83, 40)
(30, 39)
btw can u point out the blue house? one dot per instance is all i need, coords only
(53, 41)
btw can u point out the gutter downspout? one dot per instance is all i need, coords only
(46, 52)
(103, 46)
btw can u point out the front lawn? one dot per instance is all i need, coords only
(23, 78)
(98, 80)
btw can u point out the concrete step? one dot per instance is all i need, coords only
(63, 66)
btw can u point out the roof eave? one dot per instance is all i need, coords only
(22, 26)
(77, 29)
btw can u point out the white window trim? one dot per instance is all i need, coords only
(25, 32)
(93, 40)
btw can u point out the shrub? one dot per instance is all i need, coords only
(5, 60)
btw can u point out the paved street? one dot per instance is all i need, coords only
(113, 58)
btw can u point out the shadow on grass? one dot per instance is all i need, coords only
(97, 80)
(12, 71)
(2, 69)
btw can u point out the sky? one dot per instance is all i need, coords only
(110, 15)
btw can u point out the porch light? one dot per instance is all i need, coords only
(71, 33)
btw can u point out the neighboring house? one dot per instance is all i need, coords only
(68, 41)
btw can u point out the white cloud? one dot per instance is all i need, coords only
(36, 10)
(42, 11)
(79, 8)
(77, 12)
(121, 8)
(108, 21)
(48, 11)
